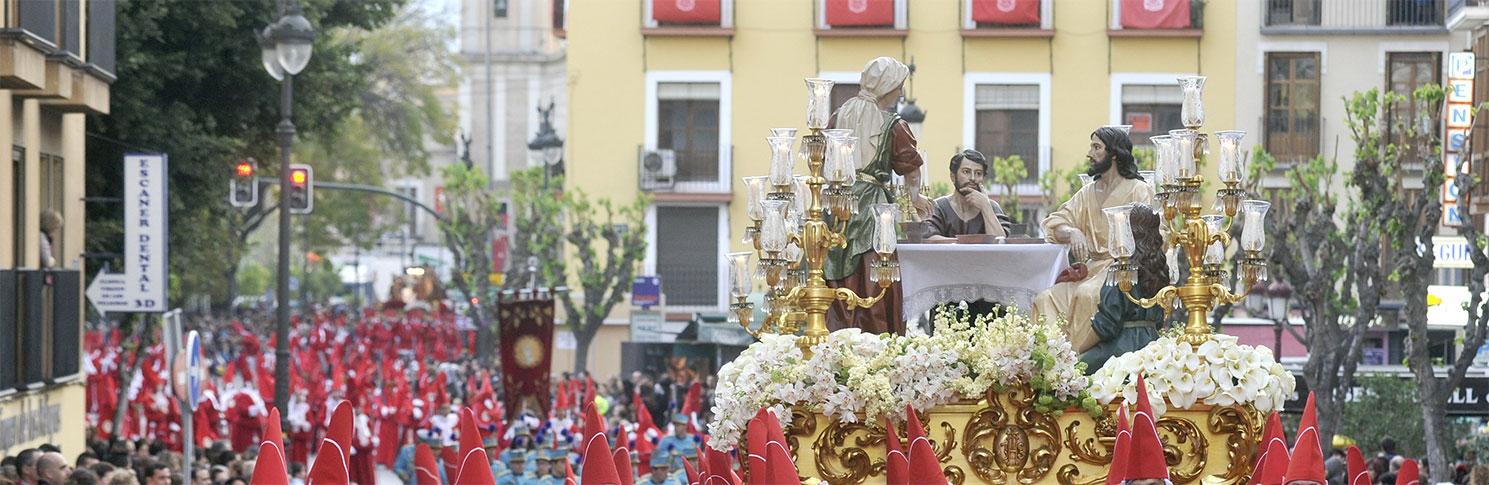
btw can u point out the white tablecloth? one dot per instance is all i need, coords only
(1004, 273)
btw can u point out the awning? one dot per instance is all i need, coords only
(1006, 12)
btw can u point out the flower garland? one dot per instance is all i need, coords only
(1219, 372)
(854, 375)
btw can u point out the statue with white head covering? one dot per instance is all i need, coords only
(886, 145)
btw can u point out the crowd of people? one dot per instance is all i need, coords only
(406, 375)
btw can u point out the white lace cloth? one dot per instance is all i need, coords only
(1010, 274)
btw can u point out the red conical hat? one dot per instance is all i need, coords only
(270, 467)
(272, 433)
(1145, 459)
(1307, 461)
(1409, 474)
(720, 467)
(896, 462)
(594, 426)
(622, 458)
(692, 473)
(1354, 462)
(773, 430)
(756, 437)
(925, 466)
(451, 461)
(470, 440)
(426, 469)
(779, 468)
(1361, 479)
(913, 429)
(599, 466)
(476, 469)
(703, 471)
(1272, 430)
(1121, 449)
(330, 465)
(1273, 464)
(569, 478)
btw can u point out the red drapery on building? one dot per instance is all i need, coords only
(1155, 14)
(686, 12)
(860, 13)
(526, 353)
(1006, 12)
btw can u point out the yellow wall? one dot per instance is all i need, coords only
(774, 47)
(52, 416)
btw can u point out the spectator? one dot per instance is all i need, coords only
(26, 466)
(157, 474)
(1387, 449)
(82, 476)
(1335, 467)
(102, 469)
(201, 476)
(51, 468)
(86, 459)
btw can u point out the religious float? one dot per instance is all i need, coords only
(1004, 398)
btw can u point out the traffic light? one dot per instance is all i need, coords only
(244, 190)
(302, 188)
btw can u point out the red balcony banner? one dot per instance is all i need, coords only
(686, 12)
(860, 13)
(526, 352)
(1155, 14)
(1006, 12)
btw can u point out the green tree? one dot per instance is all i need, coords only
(254, 278)
(608, 242)
(1058, 186)
(1009, 172)
(472, 217)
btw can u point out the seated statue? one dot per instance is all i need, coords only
(1082, 225)
(1121, 325)
(968, 210)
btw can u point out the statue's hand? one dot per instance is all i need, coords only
(1079, 248)
(923, 206)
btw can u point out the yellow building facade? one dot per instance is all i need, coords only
(56, 66)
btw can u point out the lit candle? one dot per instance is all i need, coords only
(1252, 233)
(819, 103)
(781, 162)
(739, 274)
(884, 229)
(773, 230)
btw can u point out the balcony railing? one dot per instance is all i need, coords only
(1354, 16)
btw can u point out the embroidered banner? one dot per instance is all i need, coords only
(526, 353)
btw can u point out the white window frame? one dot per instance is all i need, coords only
(900, 15)
(726, 116)
(650, 265)
(1046, 15)
(1271, 180)
(1120, 80)
(969, 115)
(726, 15)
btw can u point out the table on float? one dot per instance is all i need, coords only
(1010, 274)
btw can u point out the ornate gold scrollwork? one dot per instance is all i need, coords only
(1025, 442)
(838, 461)
(955, 475)
(1096, 450)
(803, 423)
(1184, 448)
(1240, 424)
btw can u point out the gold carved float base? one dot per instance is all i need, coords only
(1002, 439)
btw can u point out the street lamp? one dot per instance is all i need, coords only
(909, 111)
(1274, 301)
(285, 50)
(546, 145)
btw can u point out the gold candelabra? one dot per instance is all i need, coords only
(1203, 238)
(792, 235)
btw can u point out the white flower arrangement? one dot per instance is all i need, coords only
(1219, 372)
(854, 375)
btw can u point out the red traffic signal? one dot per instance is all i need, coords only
(299, 176)
(244, 169)
(301, 189)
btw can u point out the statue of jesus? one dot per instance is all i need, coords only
(1081, 224)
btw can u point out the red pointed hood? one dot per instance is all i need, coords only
(779, 469)
(643, 417)
(330, 465)
(470, 442)
(599, 465)
(1121, 449)
(1307, 462)
(622, 458)
(594, 426)
(569, 478)
(913, 428)
(476, 469)
(426, 469)
(451, 461)
(270, 468)
(925, 466)
(1354, 462)
(897, 463)
(720, 466)
(1409, 473)
(756, 437)
(1273, 464)
(692, 473)
(1145, 456)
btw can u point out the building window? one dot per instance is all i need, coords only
(689, 251)
(1415, 13)
(1405, 72)
(499, 8)
(1450, 277)
(52, 183)
(1292, 102)
(1152, 110)
(688, 124)
(1293, 12)
(1008, 124)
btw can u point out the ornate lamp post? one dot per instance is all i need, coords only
(1279, 302)
(286, 47)
(546, 146)
(1203, 238)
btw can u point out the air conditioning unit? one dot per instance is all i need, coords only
(658, 169)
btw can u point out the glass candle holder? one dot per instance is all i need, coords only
(886, 220)
(1215, 252)
(819, 103)
(1183, 149)
(803, 199)
(786, 132)
(1163, 158)
(1122, 244)
(1192, 112)
(782, 164)
(741, 276)
(1254, 218)
(1230, 155)
(773, 229)
(755, 194)
(842, 154)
